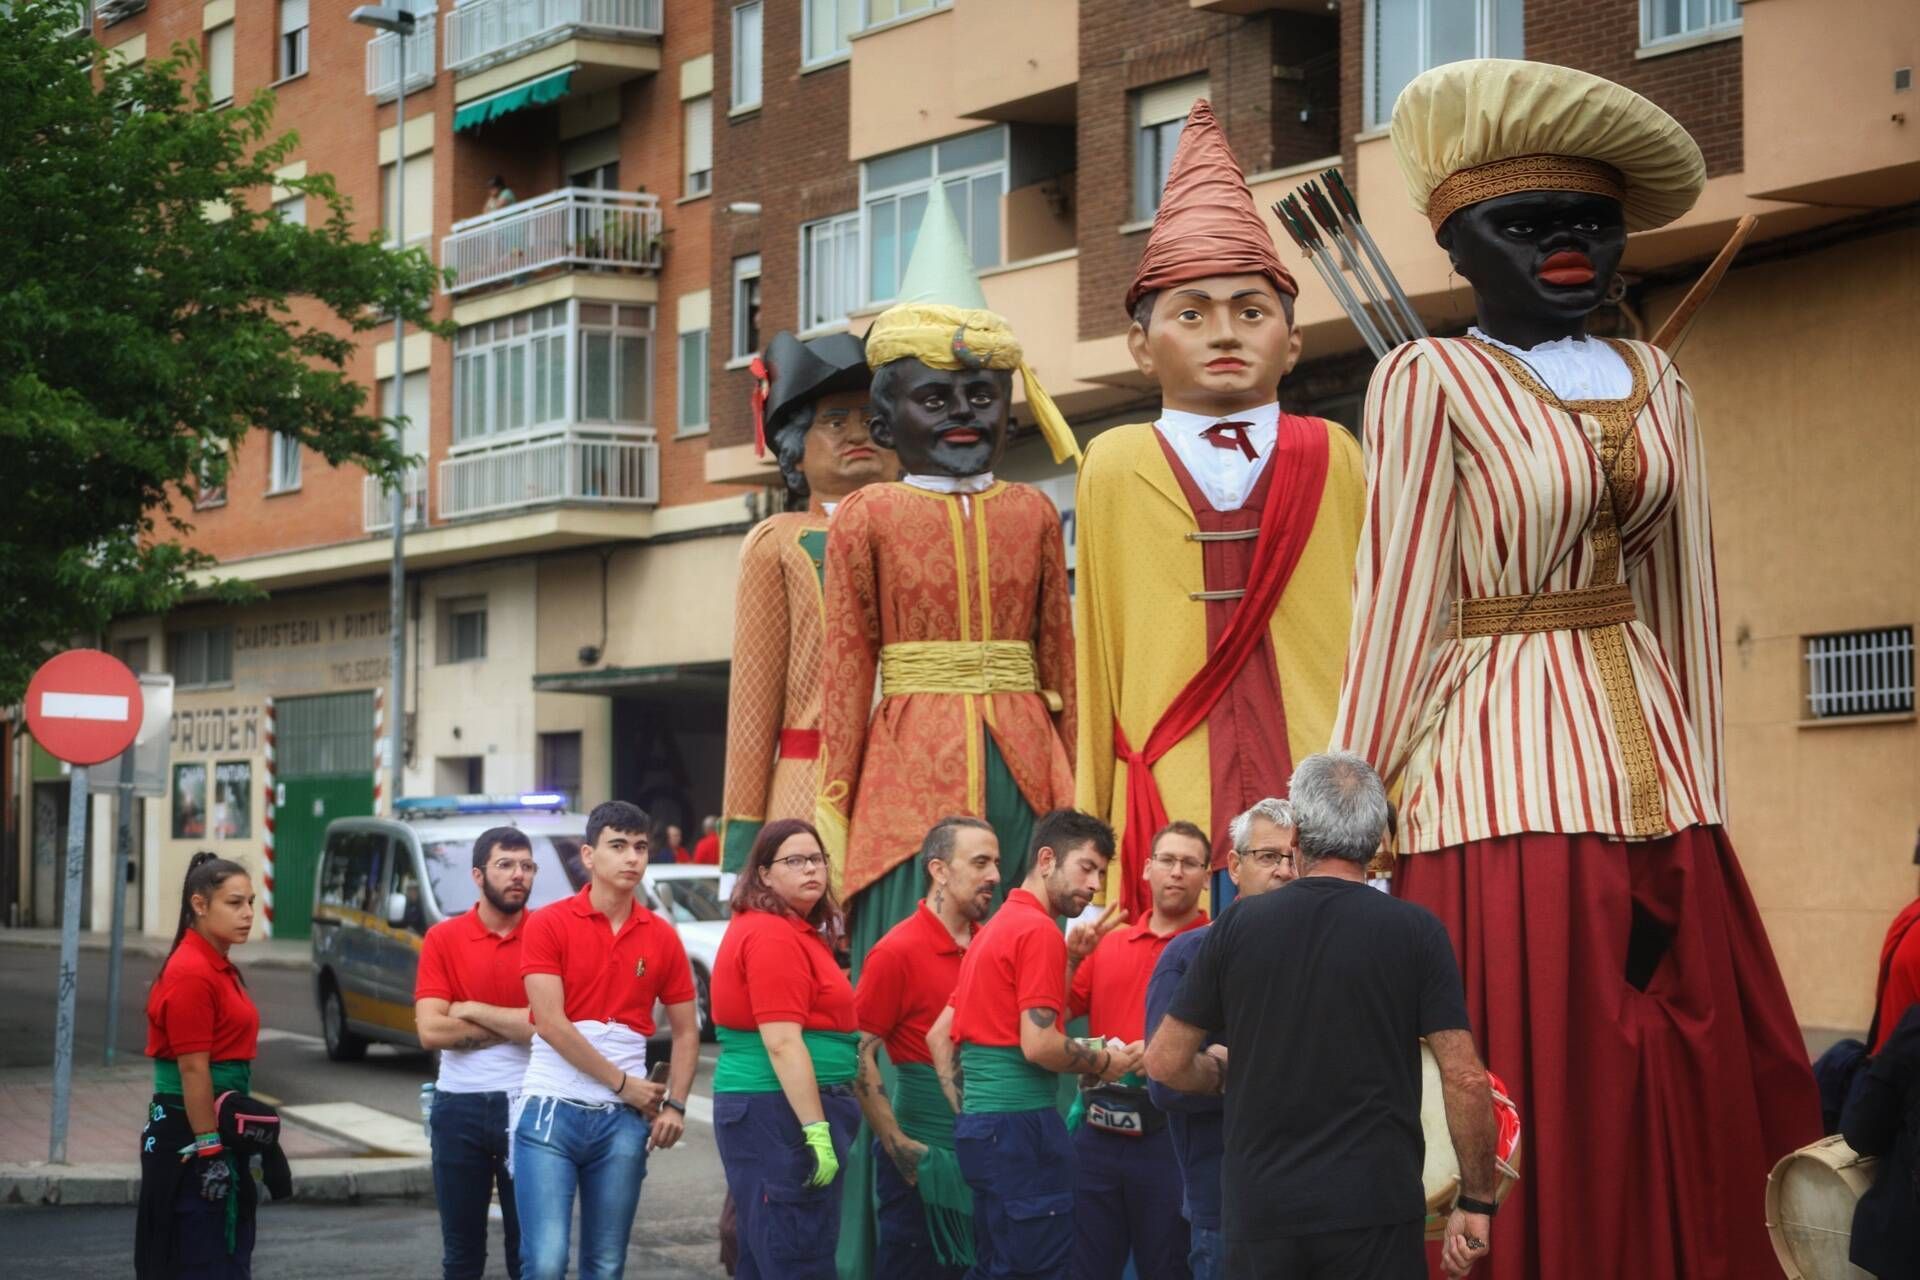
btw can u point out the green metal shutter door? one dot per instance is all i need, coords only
(324, 751)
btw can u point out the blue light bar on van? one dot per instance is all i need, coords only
(525, 801)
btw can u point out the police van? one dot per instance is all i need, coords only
(382, 883)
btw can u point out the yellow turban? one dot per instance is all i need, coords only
(948, 337)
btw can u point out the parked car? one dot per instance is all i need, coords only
(382, 883)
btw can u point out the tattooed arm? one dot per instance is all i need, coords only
(1046, 1045)
(871, 1092)
(946, 1058)
(440, 1029)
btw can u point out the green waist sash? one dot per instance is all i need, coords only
(746, 1067)
(921, 1107)
(234, 1075)
(999, 1078)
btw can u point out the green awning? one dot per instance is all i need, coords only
(534, 93)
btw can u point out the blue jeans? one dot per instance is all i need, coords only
(1206, 1253)
(469, 1160)
(561, 1148)
(1020, 1167)
(788, 1230)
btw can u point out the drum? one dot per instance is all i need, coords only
(1811, 1195)
(1441, 1173)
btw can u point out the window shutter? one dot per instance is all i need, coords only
(1171, 101)
(699, 123)
(293, 15)
(220, 62)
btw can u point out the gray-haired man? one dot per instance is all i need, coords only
(1321, 1175)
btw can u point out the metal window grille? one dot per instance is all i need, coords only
(325, 735)
(1860, 673)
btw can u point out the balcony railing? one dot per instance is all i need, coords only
(378, 502)
(383, 60)
(491, 30)
(571, 468)
(574, 226)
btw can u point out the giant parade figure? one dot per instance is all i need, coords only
(1216, 543)
(810, 402)
(1535, 669)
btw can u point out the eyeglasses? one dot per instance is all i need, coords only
(801, 861)
(1267, 859)
(1168, 862)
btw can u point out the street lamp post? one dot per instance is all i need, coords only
(400, 22)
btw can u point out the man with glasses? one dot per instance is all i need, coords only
(1123, 1200)
(469, 1003)
(1264, 844)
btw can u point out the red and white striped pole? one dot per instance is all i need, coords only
(379, 749)
(266, 828)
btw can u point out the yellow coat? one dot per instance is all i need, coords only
(1140, 638)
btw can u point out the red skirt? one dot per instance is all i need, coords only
(1649, 1118)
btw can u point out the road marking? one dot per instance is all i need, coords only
(699, 1108)
(274, 1035)
(353, 1122)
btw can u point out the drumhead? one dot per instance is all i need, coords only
(1811, 1195)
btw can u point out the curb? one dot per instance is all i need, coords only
(144, 946)
(339, 1180)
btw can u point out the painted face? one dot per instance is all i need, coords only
(840, 452)
(1271, 859)
(1539, 258)
(798, 872)
(507, 878)
(972, 872)
(1217, 345)
(619, 858)
(226, 916)
(1176, 873)
(1074, 879)
(946, 422)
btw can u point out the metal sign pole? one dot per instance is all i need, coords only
(69, 963)
(116, 945)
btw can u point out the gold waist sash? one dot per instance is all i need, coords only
(1576, 610)
(961, 666)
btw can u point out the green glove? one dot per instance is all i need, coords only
(826, 1165)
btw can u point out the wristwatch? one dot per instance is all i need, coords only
(1467, 1204)
(681, 1107)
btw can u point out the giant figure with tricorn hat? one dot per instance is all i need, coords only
(810, 405)
(1216, 543)
(1535, 669)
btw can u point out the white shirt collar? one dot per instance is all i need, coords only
(826, 509)
(951, 484)
(1264, 420)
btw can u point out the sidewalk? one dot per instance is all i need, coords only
(104, 1122)
(268, 953)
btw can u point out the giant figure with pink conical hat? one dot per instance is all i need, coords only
(1216, 543)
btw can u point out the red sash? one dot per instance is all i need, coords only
(1293, 505)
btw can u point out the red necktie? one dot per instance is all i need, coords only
(1231, 435)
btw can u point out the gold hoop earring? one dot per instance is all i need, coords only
(1616, 291)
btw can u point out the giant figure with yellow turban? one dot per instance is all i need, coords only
(1216, 543)
(1535, 669)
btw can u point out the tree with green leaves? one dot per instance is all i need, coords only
(144, 334)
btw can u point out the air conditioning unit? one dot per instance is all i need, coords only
(112, 11)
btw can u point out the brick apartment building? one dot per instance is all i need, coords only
(824, 123)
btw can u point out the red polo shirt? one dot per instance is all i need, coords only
(199, 1005)
(462, 959)
(1110, 986)
(776, 968)
(608, 977)
(1018, 961)
(905, 983)
(707, 852)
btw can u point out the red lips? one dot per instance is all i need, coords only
(963, 435)
(1226, 364)
(1567, 269)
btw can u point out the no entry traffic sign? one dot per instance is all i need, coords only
(84, 706)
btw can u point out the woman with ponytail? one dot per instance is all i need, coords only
(196, 1199)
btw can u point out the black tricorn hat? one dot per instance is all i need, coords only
(799, 372)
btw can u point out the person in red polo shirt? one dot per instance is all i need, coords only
(196, 1214)
(587, 1117)
(470, 1003)
(706, 850)
(924, 1212)
(1124, 1200)
(1008, 1019)
(784, 1116)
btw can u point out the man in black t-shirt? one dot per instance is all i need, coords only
(1324, 989)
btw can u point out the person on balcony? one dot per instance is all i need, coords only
(499, 195)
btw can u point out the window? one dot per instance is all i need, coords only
(352, 872)
(560, 766)
(293, 38)
(419, 210)
(293, 209)
(693, 382)
(201, 657)
(417, 408)
(1860, 673)
(460, 775)
(133, 652)
(1674, 19)
(1405, 37)
(972, 167)
(463, 629)
(220, 64)
(828, 24)
(746, 306)
(888, 10)
(697, 118)
(232, 814)
(210, 483)
(746, 55)
(1159, 114)
(283, 463)
(513, 374)
(829, 270)
(616, 363)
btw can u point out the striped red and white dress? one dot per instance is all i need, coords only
(1561, 795)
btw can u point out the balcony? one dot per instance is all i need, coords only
(383, 61)
(570, 228)
(572, 468)
(487, 33)
(377, 502)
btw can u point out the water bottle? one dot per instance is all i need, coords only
(426, 1109)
